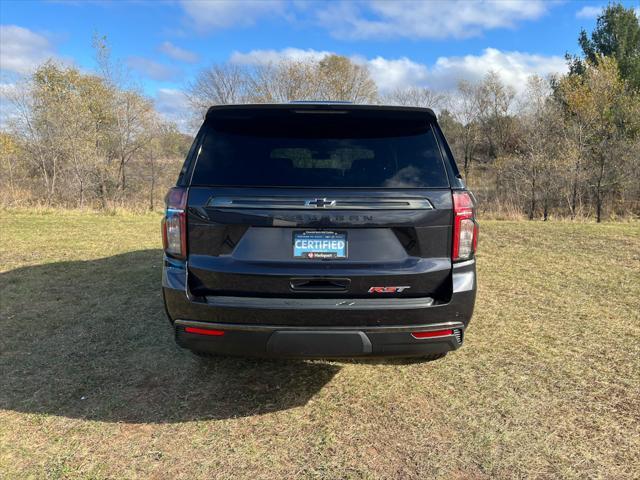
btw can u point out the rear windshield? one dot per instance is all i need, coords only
(313, 150)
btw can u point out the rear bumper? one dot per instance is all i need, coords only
(312, 328)
(319, 342)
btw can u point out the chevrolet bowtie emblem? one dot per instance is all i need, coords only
(320, 203)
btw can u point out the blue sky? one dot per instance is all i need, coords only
(165, 43)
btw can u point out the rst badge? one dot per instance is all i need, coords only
(387, 289)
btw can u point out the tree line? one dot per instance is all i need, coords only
(87, 140)
(567, 146)
(570, 145)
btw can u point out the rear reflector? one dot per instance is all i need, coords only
(433, 333)
(204, 331)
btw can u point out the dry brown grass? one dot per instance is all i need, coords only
(92, 385)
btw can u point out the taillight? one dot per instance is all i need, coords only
(174, 223)
(432, 334)
(204, 331)
(465, 227)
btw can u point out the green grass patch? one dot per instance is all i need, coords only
(92, 385)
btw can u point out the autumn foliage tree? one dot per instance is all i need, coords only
(77, 135)
(600, 100)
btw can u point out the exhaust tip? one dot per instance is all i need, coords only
(457, 332)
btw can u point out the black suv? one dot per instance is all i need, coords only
(320, 230)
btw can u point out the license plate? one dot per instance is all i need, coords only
(320, 245)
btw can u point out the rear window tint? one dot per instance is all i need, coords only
(320, 151)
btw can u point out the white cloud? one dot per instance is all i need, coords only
(512, 67)
(372, 18)
(211, 15)
(390, 73)
(589, 11)
(21, 49)
(152, 69)
(178, 53)
(174, 106)
(170, 101)
(263, 57)
(432, 19)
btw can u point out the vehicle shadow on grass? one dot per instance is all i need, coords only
(89, 339)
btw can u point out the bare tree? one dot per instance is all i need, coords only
(283, 81)
(494, 103)
(331, 78)
(218, 85)
(540, 163)
(416, 96)
(465, 109)
(33, 127)
(134, 116)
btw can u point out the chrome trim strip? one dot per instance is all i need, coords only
(464, 264)
(334, 203)
(372, 329)
(319, 303)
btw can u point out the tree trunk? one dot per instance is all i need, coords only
(11, 184)
(153, 184)
(53, 183)
(599, 191)
(466, 167)
(103, 191)
(123, 179)
(574, 192)
(533, 199)
(576, 176)
(467, 157)
(45, 179)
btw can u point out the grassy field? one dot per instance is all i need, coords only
(92, 385)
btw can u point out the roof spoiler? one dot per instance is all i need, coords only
(322, 102)
(242, 110)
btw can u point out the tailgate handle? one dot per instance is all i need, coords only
(319, 284)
